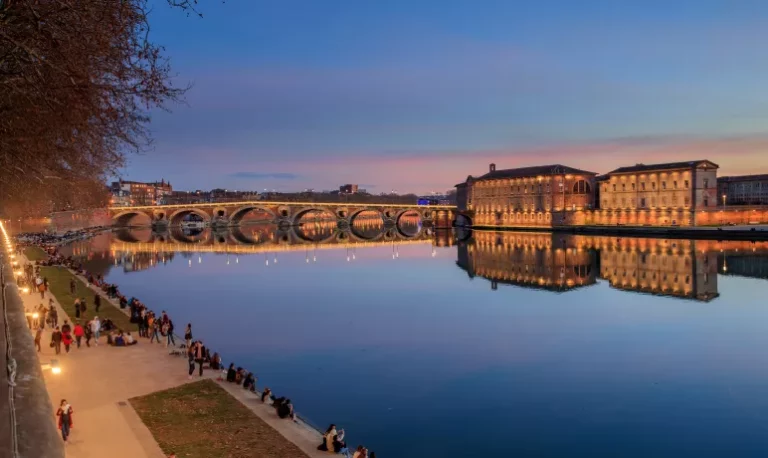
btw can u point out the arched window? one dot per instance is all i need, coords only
(581, 187)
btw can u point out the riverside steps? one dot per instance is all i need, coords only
(104, 384)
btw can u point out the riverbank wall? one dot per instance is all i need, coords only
(27, 429)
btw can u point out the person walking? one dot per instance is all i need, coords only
(88, 334)
(96, 329)
(171, 339)
(165, 333)
(66, 337)
(200, 356)
(77, 308)
(38, 338)
(54, 317)
(56, 340)
(65, 419)
(72, 287)
(79, 333)
(97, 303)
(155, 331)
(188, 335)
(191, 360)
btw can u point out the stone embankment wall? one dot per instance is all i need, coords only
(61, 222)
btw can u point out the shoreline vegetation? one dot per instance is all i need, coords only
(202, 420)
(58, 284)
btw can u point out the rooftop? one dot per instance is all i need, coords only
(744, 178)
(667, 166)
(547, 170)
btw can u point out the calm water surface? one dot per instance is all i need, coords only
(504, 344)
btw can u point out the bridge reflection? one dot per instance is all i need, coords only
(677, 268)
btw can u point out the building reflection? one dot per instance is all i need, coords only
(677, 268)
(659, 266)
(534, 260)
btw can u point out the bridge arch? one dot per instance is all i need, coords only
(124, 219)
(176, 216)
(237, 215)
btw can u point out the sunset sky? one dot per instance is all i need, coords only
(415, 95)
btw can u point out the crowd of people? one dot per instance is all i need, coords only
(159, 329)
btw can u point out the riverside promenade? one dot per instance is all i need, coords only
(99, 382)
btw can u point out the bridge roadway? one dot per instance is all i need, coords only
(281, 213)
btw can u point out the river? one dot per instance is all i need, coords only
(429, 343)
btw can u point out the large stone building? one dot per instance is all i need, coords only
(542, 196)
(743, 190)
(657, 194)
(138, 193)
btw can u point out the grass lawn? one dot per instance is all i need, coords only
(201, 420)
(58, 279)
(34, 253)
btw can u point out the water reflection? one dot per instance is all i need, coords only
(679, 268)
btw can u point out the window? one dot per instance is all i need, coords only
(623, 186)
(706, 183)
(674, 184)
(605, 189)
(653, 185)
(686, 184)
(706, 201)
(642, 185)
(539, 188)
(687, 201)
(525, 188)
(663, 185)
(614, 187)
(581, 187)
(605, 203)
(642, 202)
(547, 187)
(633, 186)
(663, 201)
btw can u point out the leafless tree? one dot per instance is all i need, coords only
(78, 79)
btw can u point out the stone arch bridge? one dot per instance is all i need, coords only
(284, 214)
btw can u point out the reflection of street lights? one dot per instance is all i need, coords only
(724, 200)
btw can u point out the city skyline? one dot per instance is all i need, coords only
(415, 97)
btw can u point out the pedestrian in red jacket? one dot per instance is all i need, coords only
(79, 333)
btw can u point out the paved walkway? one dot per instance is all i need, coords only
(98, 381)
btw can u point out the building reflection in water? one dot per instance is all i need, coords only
(534, 260)
(685, 269)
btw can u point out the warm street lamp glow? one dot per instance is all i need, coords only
(25, 290)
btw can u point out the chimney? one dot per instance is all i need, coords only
(492, 167)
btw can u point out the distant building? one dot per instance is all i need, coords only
(541, 196)
(140, 193)
(348, 189)
(657, 194)
(743, 190)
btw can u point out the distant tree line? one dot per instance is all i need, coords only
(77, 81)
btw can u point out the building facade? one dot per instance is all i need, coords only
(348, 189)
(543, 196)
(657, 194)
(138, 193)
(743, 190)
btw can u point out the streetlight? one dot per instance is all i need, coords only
(725, 196)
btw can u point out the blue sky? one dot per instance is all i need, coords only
(416, 95)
